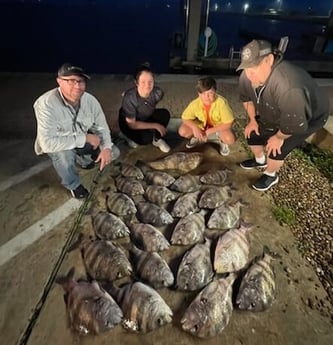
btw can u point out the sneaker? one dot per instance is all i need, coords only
(224, 149)
(192, 143)
(132, 144)
(162, 145)
(80, 192)
(265, 182)
(251, 164)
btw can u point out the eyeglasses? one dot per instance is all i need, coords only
(72, 82)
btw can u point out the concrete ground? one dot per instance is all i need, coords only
(39, 219)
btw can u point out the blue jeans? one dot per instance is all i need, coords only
(64, 162)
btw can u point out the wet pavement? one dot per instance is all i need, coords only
(32, 202)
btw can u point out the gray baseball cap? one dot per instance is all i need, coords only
(253, 53)
(68, 69)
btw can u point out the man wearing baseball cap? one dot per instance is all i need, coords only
(284, 106)
(72, 128)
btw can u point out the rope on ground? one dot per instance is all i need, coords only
(37, 310)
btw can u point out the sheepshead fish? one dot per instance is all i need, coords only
(130, 170)
(144, 309)
(90, 309)
(152, 268)
(159, 178)
(215, 177)
(129, 185)
(107, 226)
(153, 214)
(103, 260)
(186, 183)
(189, 229)
(210, 311)
(186, 204)
(214, 197)
(149, 238)
(226, 216)
(183, 161)
(120, 204)
(257, 290)
(232, 250)
(159, 195)
(195, 270)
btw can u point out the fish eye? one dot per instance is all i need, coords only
(253, 304)
(203, 300)
(160, 321)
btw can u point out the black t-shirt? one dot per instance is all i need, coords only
(290, 100)
(140, 108)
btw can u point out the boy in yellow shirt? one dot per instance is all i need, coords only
(208, 115)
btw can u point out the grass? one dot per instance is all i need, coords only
(284, 215)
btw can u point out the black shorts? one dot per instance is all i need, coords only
(289, 144)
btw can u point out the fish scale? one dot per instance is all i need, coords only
(153, 214)
(186, 183)
(159, 194)
(120, 204)
(129, 170)
(159, 178)
(129, 185)
(186, 204)
(214, 197)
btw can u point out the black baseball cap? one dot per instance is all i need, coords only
(253, 53)
(68, 69)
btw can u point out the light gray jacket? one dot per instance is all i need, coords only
(60, 127)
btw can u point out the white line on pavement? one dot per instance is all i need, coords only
(16, 179)
(35, 231)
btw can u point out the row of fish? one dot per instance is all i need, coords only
(137, 304)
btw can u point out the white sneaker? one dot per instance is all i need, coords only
(224, 149)
(192, 143)
(162, 145)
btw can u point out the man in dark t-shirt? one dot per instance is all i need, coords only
(284, 105)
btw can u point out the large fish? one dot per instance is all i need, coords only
(120, 204)
(226, 216)
(153, 214)
(107, 226)
(183, 161)
(232, 250)
(215, 177)
(189, 229)
(130, 170)
(195, 270)
(151, 268)
(186, 204)
(129, 185)
(149, 238)
(214, 197)
(211, 309)
(144, 309)
(90, 309)
(103, 260)
(159, 195)
(258, 288)
(186, 183)
(159, 178)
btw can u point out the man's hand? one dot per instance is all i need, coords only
(274, 144)
(93, 140)
(105, 157)
(161, 129)
(252, 126)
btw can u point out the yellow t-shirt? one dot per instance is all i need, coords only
(220, 112)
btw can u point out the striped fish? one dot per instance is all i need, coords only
(120, 204)
(257, 291)
(159, 178)
(129, 185)
(104, 260)
(195, 270)
(232, 250)
(151, 268)
(149, 238)
(144, 309)
(186, 183)
(189, 229)
(90, 309)
(210, 311)
(159, 195)
(214, 197)
(186, 204)
(182, 161)
(226, 216)
(130, 170)
(107, 226)
(215, 177)
(152, 214)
